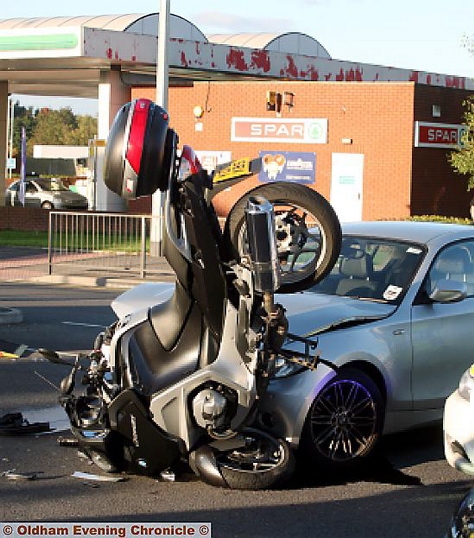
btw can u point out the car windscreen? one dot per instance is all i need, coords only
(53, 184)
(372, 269)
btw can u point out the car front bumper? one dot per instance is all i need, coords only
(284, 407)
(458, 432)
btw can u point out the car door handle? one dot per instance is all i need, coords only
(398, 332)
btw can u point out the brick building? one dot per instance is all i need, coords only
(382, 155)
(373, 139)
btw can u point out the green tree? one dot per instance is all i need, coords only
(61, 127)
(22, 117)
(86, 130)
(462, 158)
(53, 127)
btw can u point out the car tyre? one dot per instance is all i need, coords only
(47, 205)
(344, 423)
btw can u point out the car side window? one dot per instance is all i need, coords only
(455, 262)
(30, 188)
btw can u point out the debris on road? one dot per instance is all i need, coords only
(99, 478)
(67, 441)
(15, 424)
(11, 351)
(13, 475)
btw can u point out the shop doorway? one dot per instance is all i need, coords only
(347, 185)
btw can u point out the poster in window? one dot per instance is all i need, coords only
(290, 166)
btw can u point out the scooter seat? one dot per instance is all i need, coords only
(168, 318)
(154, 367)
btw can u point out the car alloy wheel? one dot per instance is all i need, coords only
(345, 419)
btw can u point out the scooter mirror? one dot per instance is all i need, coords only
(67, 384)
(52, 356)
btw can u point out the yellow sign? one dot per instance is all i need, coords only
(240, 167)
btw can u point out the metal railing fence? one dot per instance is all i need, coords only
(101, 241)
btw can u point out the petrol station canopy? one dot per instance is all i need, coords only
(64, 56)
(104, 57)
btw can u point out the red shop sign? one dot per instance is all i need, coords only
(438, 135)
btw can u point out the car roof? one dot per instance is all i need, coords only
(26, 179)
(416, 231)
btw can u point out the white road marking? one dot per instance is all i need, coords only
(82, 324)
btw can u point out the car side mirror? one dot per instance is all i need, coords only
(448, 291)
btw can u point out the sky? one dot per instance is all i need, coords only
(425, 35)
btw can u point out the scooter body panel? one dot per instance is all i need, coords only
(176, 384)
(142, 296)
(147, 449)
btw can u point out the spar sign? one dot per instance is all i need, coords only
(296, 131)
(438, 135)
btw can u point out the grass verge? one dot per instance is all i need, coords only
(13, 238)
(84, 242)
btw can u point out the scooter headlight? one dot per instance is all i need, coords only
(466, 383)
(285, 368)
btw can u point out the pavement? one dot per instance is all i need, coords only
(31, 265)
(25, 264)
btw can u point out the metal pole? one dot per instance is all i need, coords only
(162, 70)
(162, 78)
(50, 244)
(11, 121)
(143, 248)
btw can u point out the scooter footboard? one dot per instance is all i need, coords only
(147, 449)
(124, 438)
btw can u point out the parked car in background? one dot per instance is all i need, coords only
(395, 316)
(45, 193)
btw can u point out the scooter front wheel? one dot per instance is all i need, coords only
(254, 460)
(308, 233)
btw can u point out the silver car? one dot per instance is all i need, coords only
(395, 315)
(45, 193)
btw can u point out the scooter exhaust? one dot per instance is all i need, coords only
(260, 220)
(263, 251)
